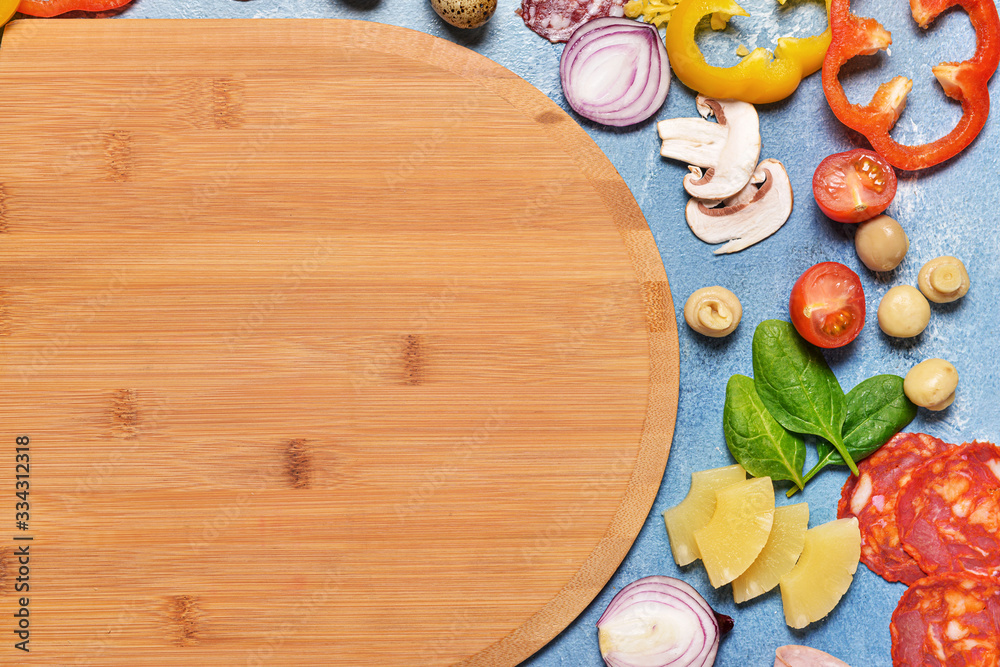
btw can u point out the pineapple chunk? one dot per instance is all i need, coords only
(824, 572)
(734, 537)
(696, 509)
(784, 544)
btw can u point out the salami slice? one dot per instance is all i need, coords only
(872, 496)
(949, 512)
(557, 20)
(948, 620)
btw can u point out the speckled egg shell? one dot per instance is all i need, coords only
(465, 13)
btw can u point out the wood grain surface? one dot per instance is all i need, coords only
(336, 343)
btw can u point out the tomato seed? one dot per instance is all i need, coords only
(835, 324)
(874, 173)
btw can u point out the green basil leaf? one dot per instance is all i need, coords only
(755, 439)
(877, 409)
(797, 386)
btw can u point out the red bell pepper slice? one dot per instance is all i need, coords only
(46, 8)
(965, 81)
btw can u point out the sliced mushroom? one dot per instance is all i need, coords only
(751, 215)
(727, 150)
(692, 140)
(742, 197)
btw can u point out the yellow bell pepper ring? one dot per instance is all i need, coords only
(760, 77)
(7, 9)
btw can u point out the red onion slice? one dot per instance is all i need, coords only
(615, 71)
(641, 92)
(659, 621)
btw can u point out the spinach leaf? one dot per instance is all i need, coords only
(755, 439)
(797, 386)
(877, 409)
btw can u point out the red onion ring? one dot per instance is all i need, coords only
(615, 71)
(659, 621)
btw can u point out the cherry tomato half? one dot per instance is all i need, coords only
(827, 305)
(854, 186)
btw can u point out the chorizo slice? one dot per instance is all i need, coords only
(947, 620)
(948, 512)
(872, 496)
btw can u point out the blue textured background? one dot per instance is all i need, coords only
(947, 210)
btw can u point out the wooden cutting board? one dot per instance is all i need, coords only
(332, 343)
